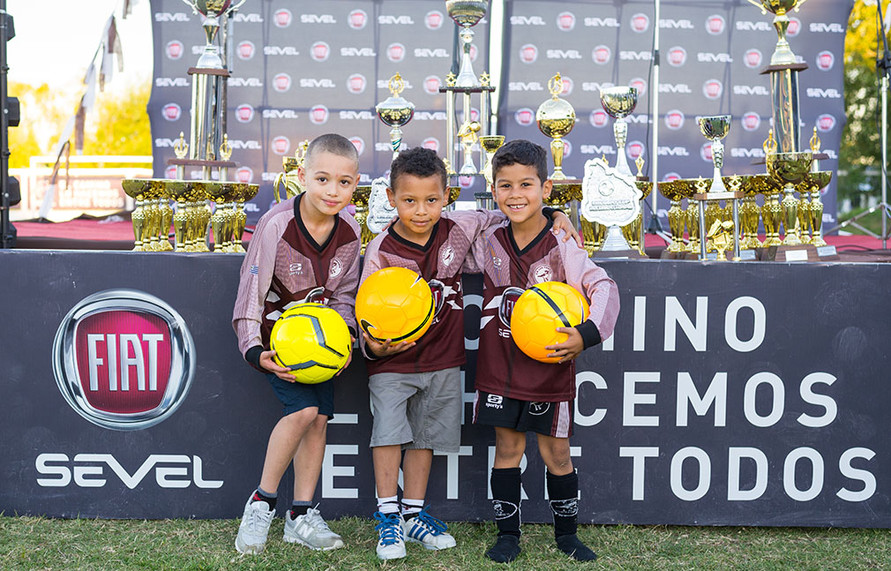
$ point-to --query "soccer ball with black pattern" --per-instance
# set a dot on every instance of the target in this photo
(395, 303)
(312, 340)
(539, 311)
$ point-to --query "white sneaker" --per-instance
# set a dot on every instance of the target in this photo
(428, 531)
(391, 544)
(311, 530)
(254, 527)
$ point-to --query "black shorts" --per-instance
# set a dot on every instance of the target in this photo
(298, 396)
(548, 418)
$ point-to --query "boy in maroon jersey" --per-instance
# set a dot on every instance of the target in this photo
(303, 249)
(416, 387)
(515, 393)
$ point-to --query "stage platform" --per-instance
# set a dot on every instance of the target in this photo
(115, 233)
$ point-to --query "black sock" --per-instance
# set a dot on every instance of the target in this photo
(505, 550)
(571, 545)
(299, 508)
(261, 496)
(563, 494)
(505, 484)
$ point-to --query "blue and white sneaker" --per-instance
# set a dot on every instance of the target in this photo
(391, 544)
(428, 531)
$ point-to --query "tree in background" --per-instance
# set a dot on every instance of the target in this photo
(860, 152)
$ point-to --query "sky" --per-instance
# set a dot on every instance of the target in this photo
(55, 40)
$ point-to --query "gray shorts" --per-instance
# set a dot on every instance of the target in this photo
(417, 410)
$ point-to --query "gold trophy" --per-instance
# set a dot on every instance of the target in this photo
(467, 14)
(782, 54)
(790, 169)
(490, 144)
(619, 102)
(289, 178)
(715, 128)
(677, 218)
(556, 118)
(469, 133)
(136, 188)
(395, 111)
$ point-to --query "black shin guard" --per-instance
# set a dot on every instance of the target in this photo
(563, 492)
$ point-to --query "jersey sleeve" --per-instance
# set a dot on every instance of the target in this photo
(602, 292)
(255, 279)
(343, 298)
(371, 264)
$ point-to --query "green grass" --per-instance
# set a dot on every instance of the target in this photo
(40, 543)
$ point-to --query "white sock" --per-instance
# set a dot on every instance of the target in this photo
(388, 505)
(411, 508)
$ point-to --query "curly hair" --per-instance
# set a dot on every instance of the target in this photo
(420, 162)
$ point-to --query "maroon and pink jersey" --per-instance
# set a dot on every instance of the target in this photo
(507, 271)
(439, 262)
(285, 266)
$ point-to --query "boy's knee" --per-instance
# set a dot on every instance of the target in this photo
(302, 417)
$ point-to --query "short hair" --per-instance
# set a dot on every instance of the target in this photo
(523, 152)
(420, 162)
(331, 143)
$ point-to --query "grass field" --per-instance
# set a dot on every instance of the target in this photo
(39, 543)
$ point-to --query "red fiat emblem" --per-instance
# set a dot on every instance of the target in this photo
(244, 113)
(123, 359)
(320, 51)
(674, 119)
(640, 84)
(753, 58)
(172, 111)
(318, 115)
(567, 86)
(826, 123)
(282, 18)
(524, 116)
(244, 174)
(640, 23)
(601, 55)
(246, 50)
(794, 27)
(715, 25)
(825, 60)
(175, 49)
(634, 149)
(677, 56)
(713, 89)
(356, 83)
(431, 143)
(432, 84)
(599, 118)
(751, 121)
(396, 52)
(566, 21)
(281, 82)
(706, 152)
(528, 53)
(358, 19)
(359, 143)
(433, 20)
(281, 145)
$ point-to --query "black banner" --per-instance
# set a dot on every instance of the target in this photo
(730, 394)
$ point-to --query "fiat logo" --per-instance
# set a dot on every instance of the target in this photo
(320, 51)
(433, 20)
(674, 119)
(281, 145)
(794, 27)
(566, 21)
(244, 174)
(123, 359)
(677, 56)
(356, 83)
(567, 86)
(714, 25)
(753, 58)
(751, 121)
(640, 23)
(318, 115)
(528, 53)
(281, 82)
(172, 111)
(599, 118)
(825, 123)
(825, 60)
(601, 55)
(712, 89)
(432, 84)
(634, 149)
(282, 18)
(431, 143)
(524, 116)
(244, 113)
(706, 152)
(396, 52)
(245, 50)
(359, 143)
(671, 177)
(358, 19)
(174, 49)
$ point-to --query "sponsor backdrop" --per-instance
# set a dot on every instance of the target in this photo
(748, 404)
(303, 68)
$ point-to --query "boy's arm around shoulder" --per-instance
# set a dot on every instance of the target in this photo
(370, 264)
(600, 290)
(343, 297)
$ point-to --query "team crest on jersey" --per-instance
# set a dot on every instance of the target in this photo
(542, 273)
(496, 261)
(506, 307)
(448, 255)
(438, 290)
(295, 268)
(335, 269)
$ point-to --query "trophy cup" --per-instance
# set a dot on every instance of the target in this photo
(556, 118)
(395, 112)
(490, 144)
(619, 102)
(289, 178)
(790, 169)
(782, 54)
(714, 129)
(136, 188)
(467, 14)
(469, 135)
(674, 191)
(610, 198)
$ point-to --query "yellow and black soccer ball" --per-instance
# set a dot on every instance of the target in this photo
(395, 303)
(312, 340)
(539, 311)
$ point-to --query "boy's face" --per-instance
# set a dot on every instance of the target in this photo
(329, 181)
(519, 192)
(419, 202)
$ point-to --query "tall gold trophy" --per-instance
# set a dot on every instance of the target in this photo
(395, 111)
(556, 118)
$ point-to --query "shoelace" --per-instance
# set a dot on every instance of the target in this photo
(389, 528)
(258, 517)
(315, 519)
(435, 526)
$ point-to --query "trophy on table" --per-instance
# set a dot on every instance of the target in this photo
(395, 112)
(619, 102)
(556, 118)
(289, 178)
(715, 128)
(790, 169)
(490, 144)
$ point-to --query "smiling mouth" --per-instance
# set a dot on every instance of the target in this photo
(516, 206)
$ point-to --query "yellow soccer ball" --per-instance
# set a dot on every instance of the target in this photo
(312, 340)
(394, 303)
(539, 311)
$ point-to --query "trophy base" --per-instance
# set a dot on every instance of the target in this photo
(630, 254)
(666, 255)
(802, 253)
